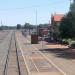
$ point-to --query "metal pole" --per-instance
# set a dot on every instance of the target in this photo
(42, 42)
(36, 16)
(36, 21)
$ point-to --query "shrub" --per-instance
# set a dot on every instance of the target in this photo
(72, 44)
(65, 41)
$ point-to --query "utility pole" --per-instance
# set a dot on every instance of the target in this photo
(36, 22)
(36, 16)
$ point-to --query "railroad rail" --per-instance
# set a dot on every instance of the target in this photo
(12, 61)
(24, 58)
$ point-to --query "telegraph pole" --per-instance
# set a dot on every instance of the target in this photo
(36, 22)
(36, 16)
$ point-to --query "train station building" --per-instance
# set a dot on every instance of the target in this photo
(55, 22)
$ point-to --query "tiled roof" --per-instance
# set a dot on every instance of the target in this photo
(57, 17)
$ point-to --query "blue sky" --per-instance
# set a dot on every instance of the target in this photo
(14, 12)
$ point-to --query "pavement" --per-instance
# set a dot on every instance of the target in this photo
(62, 56)
(36, 63)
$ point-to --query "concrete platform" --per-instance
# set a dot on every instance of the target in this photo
(35, 61)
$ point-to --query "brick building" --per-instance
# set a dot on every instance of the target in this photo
(55, 22)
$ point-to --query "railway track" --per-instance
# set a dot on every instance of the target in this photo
(36, 62)
(25, 59)
(4, 45)
(12, 62)
(3, 36)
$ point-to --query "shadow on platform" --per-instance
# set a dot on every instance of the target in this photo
(61, 53)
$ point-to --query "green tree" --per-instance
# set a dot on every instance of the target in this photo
(67, 25)
(72, 7)
(29, 26)
(26, 25)
(18, 26)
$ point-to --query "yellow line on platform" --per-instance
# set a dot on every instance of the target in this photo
(63, 73)
(50, 61)
(35, 65)
(23, 57)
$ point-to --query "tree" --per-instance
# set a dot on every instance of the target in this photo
(72, 7)
(18, 26)
(29, 26)
(67, 25)
(26, 26)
